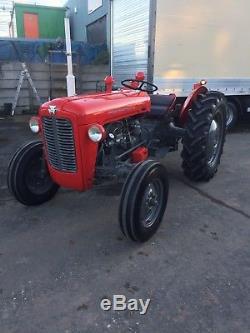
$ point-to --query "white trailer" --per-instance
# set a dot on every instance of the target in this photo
(179, 42)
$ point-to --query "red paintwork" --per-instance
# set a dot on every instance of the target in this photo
(109, 80)
(84, 111)
(197, 89)
(100, 109)
(139, 155)
(139, 76)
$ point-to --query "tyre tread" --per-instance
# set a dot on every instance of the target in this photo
(194, 143)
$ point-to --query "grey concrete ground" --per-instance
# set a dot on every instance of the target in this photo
(57, 261)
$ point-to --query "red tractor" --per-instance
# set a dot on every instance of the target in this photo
(89, 139)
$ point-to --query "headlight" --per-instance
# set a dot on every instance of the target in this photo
(34, 125)
(96, 133)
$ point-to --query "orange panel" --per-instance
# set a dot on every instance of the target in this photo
(31, 26)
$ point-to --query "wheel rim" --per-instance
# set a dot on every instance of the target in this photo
(229, 115)
(37, 178)
(214, 140)
(151, 203)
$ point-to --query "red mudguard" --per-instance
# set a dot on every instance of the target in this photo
(197, 90)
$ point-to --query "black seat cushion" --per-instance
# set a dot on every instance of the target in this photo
(160, 104)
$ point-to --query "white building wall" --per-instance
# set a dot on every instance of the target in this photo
(6, 7)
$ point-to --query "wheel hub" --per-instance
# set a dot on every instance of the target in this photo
(152, 198)
(229, 115)
(151, 203)
(213, 140)
(37, 179)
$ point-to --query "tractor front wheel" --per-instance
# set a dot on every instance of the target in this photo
(205, 136)
(143, 201)
(28, 177)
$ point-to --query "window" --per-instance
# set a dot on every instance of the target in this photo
(97, 31)
(93, 5)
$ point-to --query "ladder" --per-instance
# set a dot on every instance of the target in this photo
(24, 74)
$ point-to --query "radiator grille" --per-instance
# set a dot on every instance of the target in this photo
(59, 138)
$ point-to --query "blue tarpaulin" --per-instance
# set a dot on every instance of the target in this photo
(38, 51)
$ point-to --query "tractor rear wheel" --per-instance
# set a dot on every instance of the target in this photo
(28, 177)
(143, 201)
(205, 136)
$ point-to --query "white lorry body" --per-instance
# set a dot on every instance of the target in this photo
(179, 42)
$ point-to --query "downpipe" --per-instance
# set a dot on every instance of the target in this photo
(126, 153)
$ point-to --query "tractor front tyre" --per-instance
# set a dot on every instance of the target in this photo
(143, 201)
(205, 136)
(28, 177)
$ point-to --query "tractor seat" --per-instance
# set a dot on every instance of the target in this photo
(160, 104)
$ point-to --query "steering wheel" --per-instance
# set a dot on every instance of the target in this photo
(139, 85)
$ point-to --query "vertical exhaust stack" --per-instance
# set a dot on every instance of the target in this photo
(71, 85)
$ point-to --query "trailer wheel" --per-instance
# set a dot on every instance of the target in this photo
(205, 137)
(232, 114)
(28, 178)
(143, 201)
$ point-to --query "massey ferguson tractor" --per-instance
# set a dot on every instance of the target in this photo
(120, 135)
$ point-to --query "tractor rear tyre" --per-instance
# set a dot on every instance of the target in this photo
(205, 136)
(28, 177)
(143, 201)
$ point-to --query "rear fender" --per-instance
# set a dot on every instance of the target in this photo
(198, 89)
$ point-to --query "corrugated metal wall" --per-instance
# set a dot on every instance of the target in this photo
(130, 26)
